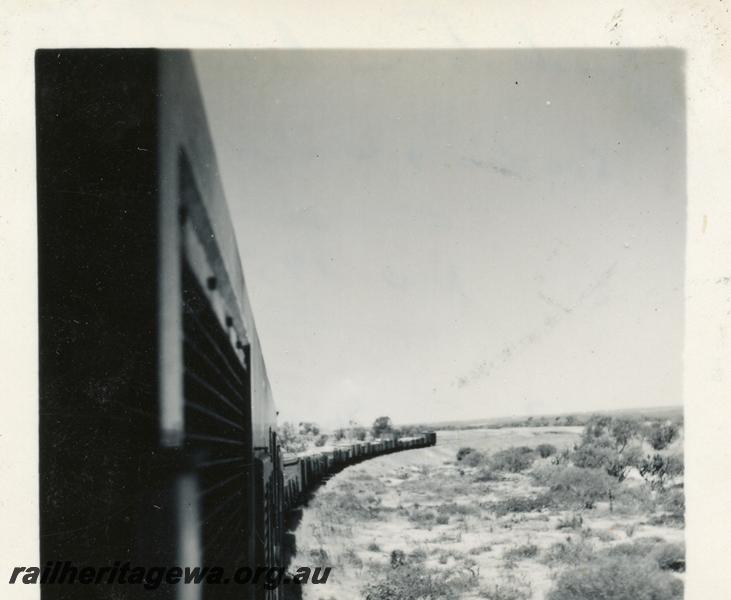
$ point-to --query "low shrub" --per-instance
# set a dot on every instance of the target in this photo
(638, 549)
(422, 517)
(487, 474)
(572, 521)
(398, 558)
(418, 556)
(454, 508)
(562, 457)
(415, 582)
(513, 460)
(601, 534)
(671, 506)
(673, 500)
(616, 578)
(320, 557)
(570, 552)
(480, 549)
(442, 519)
(634, 499)
(464, 451)
(474, 459)
(521, 552)
(579, 487)
(546, 450)
(373, 547)
(351, 557)
(510, 588)
(545, 473)
(521, 504)
(670, 556)
(667, 519)
(408, 584)
(348, 504)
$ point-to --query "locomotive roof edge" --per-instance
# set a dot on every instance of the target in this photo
(184, 128)
(116, 128)
(156, 419)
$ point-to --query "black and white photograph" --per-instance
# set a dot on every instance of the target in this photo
(463, 271)
(365, 323)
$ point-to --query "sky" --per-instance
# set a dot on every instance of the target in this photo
(449, 235)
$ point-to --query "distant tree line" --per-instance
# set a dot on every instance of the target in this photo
(567, 420)
(305, 435)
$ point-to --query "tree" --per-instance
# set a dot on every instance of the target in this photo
(290, 439)
(382, 425)
(659, 468)
(593, 453)
(661, 435)
(307, 428)
(409, 430)
(623, 431)
(596, 427)
(359, 433)
(620, 463)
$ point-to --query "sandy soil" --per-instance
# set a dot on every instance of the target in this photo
(363, 514)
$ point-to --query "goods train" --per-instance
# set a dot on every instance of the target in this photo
(157, 427)
(302, 472)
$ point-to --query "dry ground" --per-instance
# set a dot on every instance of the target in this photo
(433, 509)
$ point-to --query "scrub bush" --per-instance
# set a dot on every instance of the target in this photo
(616, 578)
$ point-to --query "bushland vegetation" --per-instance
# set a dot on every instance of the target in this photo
(596, 514)
(628, 465)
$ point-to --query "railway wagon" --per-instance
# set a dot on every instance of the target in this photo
(157, 426)
(293, 479)
(346, 452)
(303, 472)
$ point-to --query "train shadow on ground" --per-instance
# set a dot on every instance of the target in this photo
(293, 518)
(293, 515)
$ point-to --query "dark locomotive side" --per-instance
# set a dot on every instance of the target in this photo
(157, 427)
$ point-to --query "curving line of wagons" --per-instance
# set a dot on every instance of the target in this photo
(304, 471)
